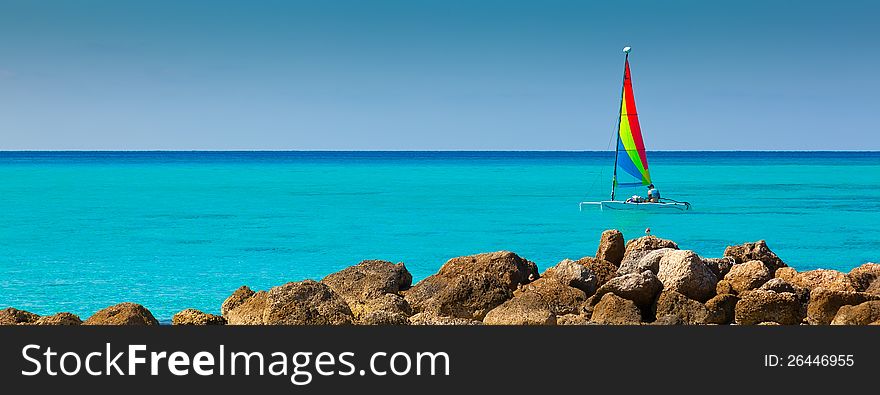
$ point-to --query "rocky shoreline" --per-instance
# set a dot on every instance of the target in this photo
(647, 280)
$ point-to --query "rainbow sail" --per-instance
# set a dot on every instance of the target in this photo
(632, 160)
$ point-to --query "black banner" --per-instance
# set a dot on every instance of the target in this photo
(433, 359)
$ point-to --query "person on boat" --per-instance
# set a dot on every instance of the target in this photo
(635, 199)
(653, 194)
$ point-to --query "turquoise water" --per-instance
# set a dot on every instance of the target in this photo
(81, 231)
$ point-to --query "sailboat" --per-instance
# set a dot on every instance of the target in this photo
(630, 157)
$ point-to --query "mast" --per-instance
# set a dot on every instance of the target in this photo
(619, 115)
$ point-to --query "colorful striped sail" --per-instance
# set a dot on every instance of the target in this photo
(632, 162)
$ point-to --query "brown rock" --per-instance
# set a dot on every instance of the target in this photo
(755, 251)
(643, 260)
(470, 286)
(573, 274)
(431, 318)
(786, 273)
(828, 279)
(196, 317)
(549, 293)
(721, 309)
(724, 287)
(305, 303)
(758, 306)
(249, 312)
(572, 319)
(611, 247)
(747, 276)
(602, 269)
(13, 316)
(388, 309)
(862, 314)
(684, 272)
(59, 319)
(865, 276)
(238, 297)
(778, 285)
(825, 303)
(648, 243)
(526, 309)
(614, 310)
(677, 308)
(641, 288)
(719, 266)
(122, 314)
(361, 284)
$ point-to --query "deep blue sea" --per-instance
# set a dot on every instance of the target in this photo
(83, 230)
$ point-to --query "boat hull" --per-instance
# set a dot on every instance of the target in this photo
(622, 205)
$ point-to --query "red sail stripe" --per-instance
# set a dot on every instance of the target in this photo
(633, 117)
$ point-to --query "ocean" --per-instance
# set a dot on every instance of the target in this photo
(172, 230)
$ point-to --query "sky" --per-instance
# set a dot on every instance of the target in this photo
(436, 74)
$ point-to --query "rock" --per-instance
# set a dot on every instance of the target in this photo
(369, 279)
(865, 276)
(786, 273)
(640, 288)
(388, 309)
(825, 303)
(828, 279)
(614, 310)
(196, 317)
(684, 272)
(59, 319)
(757, 306)
(755, 251)
(719, 266)
(573, 274)
(528, 309)
(646, 260)
(724, 287)
(470, 286)
(681, 309)
(430, 318)
(602, 269)
(611, 247)
(249, 312)
(13, 316)
(305, 303)
(122, 314)
(647, 243)
(721, 309)
(861, 314)
(874, 288)
(778, 285)
(572, 319)
(238, 297)
(549, 293)
(770, 323)
(747, 276)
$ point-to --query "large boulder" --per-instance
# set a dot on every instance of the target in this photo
(305, 303)
(778, 285)
(602, 269)
(249, 312)
(675, 308)
(865, 277)
(861, 314)
(643, 260)
(786, 273)
(527, 309)
(238, 297)
(611, 247)
(13, 316)
(747, 276)
(122, 314)
(755, 251)
(59, 319)
(549, 293)
(683, 271)
(755, 307)
(196, 317)
(573, 274)
(388, 309)
(431, 318)
(470, 286)
(647, 243)
(719, 266)
(614, 310)
(829, 279)
(721, 308)
(825, 303)
(641, 288)
(360, 284)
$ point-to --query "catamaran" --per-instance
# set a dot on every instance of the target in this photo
(630, 158)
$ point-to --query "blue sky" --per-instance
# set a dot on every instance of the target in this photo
(436, 75)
